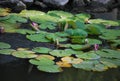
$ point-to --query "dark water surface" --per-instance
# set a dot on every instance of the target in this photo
(18, 71)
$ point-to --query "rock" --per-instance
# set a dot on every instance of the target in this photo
(56, 2)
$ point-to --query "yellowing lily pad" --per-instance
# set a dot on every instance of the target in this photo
(45, 56)
(63, 64)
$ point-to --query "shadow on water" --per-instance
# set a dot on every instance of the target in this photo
(18, 71)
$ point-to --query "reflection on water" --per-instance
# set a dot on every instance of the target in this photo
(20, 73)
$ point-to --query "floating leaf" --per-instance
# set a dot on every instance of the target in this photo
(61, 53)
(4, 45)
(46, 65)
(89, 55)
(37, 16)
(38, 37)
(4, 11)
(94, 41)
(105, 22)
(83, 16)
(42, 61)
(48, 25)
(95, 29)
(77, 32)
(45, 56)
(63, 64)
(53, 37)
(108, 36)
(100, 67)
(13, 18)
(24, 54)
(86, 65)
(107, 63)
(9, 27)
(25, 31)
(108, 53)
(80, 47)
(61, 14)
(6, 51)
(50, 68)
(41, 50)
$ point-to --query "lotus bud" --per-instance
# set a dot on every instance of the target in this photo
(96, 46)
(35, 26)
(2, 30)
(86, 41)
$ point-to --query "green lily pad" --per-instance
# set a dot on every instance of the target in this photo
(6, 51)
(86, 65)
(108, 53)
(42, 50)
(38, 37)
(48, 25)
(89, 55)
(114, 62)
(105, 22)
(108, 63)
(24, 54)
(25, 31)
(77, 32)
(37, 16)
(95, 29)
(50, 69)
(53, 37)
(80, 47)
(94, 41)
(61, 14)
(108, 36)
(42, 61)
(9, 27)
(4, 45)
(83, 16)
(89, 65)
(13, 18)
(61, 53)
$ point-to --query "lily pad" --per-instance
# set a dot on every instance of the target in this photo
(24, 54)
(48, 25)
(105, 22)
(77, 32)
(89, 55)
(108, 53)
(25, 31)
(38, 37)
(62, 14)
(4, 11)
(61, 53)
(42, 61)
(41, 50)
(83, 16)
(6, 51)
(50, 68)
(4, 45)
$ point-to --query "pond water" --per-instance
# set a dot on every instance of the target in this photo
(14, 69)
(18, 71)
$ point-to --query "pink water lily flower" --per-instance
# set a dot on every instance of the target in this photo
(35, 26)
(96, 46)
